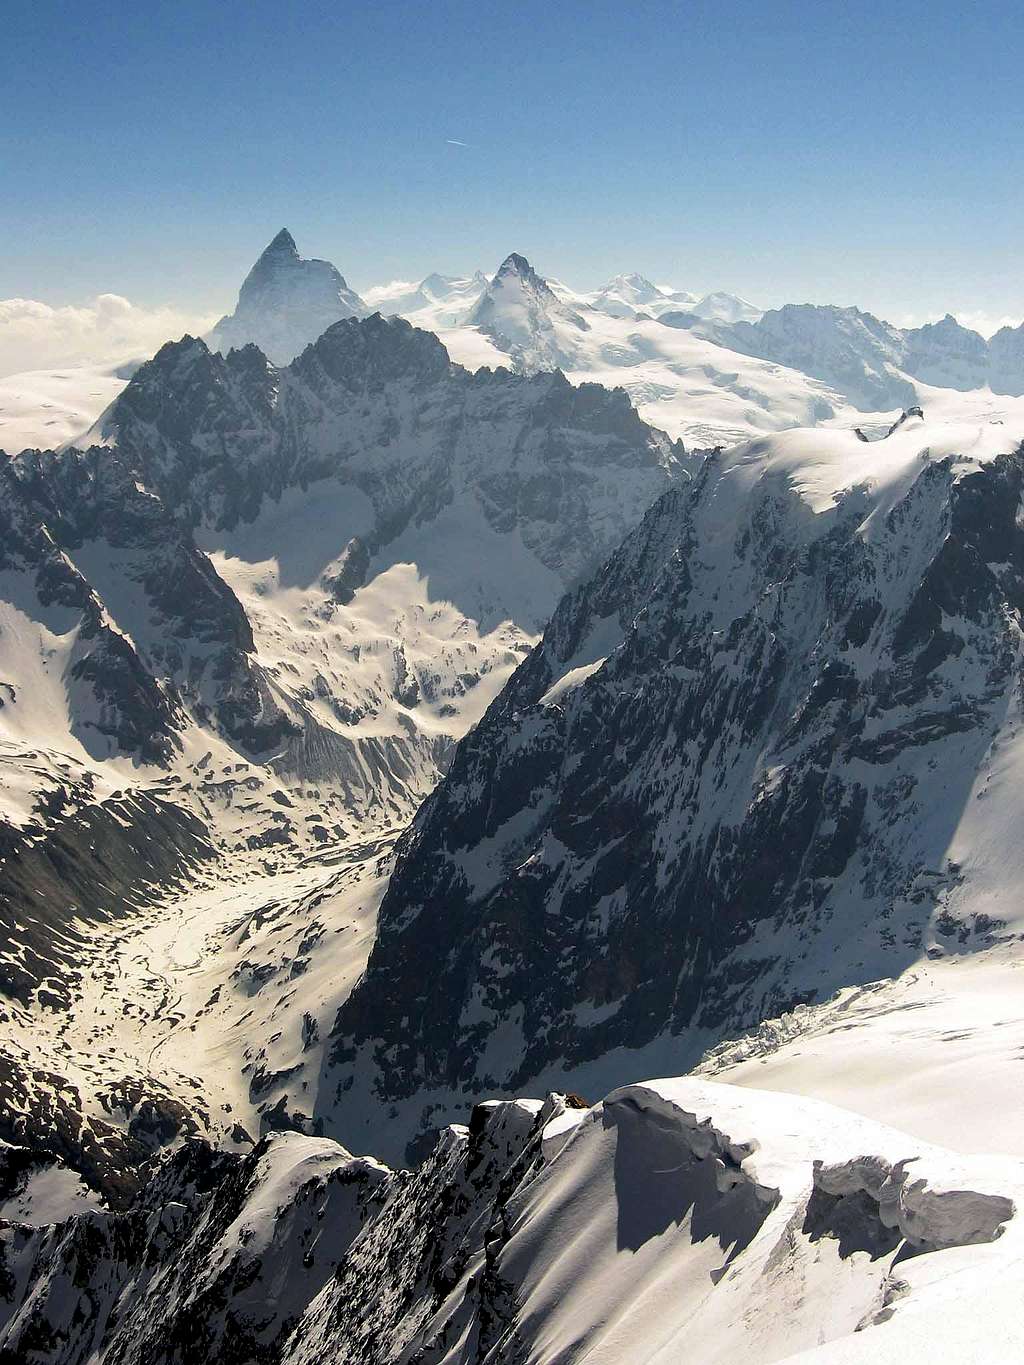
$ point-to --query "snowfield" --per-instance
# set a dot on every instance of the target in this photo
(934, 1051)
(45, 409)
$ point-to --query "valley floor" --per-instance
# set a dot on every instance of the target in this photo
(223, 995)
(206, 998)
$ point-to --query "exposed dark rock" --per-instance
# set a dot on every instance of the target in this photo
(698, 832)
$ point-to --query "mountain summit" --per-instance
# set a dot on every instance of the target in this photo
(283, 245)
(623, 296)
(286, 302)
(520, 312)
(519, 267)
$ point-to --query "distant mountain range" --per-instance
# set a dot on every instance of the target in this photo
(709, 369)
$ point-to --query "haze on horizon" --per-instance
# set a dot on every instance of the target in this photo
(804, 153)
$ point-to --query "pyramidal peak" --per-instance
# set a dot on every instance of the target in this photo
(518, 266)
(285, 303)
(524, 316)
(282, 248)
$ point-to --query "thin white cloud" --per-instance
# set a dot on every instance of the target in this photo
(384, 293)
(454, 142)
(37, 336)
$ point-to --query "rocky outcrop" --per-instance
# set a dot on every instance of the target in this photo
(377, 403)
(158, 630)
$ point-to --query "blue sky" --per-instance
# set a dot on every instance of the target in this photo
(785, 150)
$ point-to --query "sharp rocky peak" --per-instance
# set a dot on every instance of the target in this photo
(519, 310)
(283, 246)
(286, 302)
(519, 266)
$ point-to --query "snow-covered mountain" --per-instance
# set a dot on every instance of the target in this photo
(852, 351)
(678, 1218)
(436, 302)
(520, 312)
(626, 295)
(947, 355)
(243, 629)
(875, 364)
(710, 370)
(285, 302)
(1006, 361)
(633, 296)
(678, 379)
(765, 753)
(720, 307)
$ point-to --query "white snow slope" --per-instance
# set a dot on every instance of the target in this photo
(679, 1219)
(683, 1219)
(45, 409)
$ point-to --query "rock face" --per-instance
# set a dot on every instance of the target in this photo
(285, 303)
(103, 545)
(378, 403)
(154, 619)
(708, 794)
(762, 1225)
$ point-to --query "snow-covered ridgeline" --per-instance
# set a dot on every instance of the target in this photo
(676, 1215)
(710, 370)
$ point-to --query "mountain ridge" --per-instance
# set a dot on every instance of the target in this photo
(694, 803)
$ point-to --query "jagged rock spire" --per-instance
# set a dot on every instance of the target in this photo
(282, 245)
